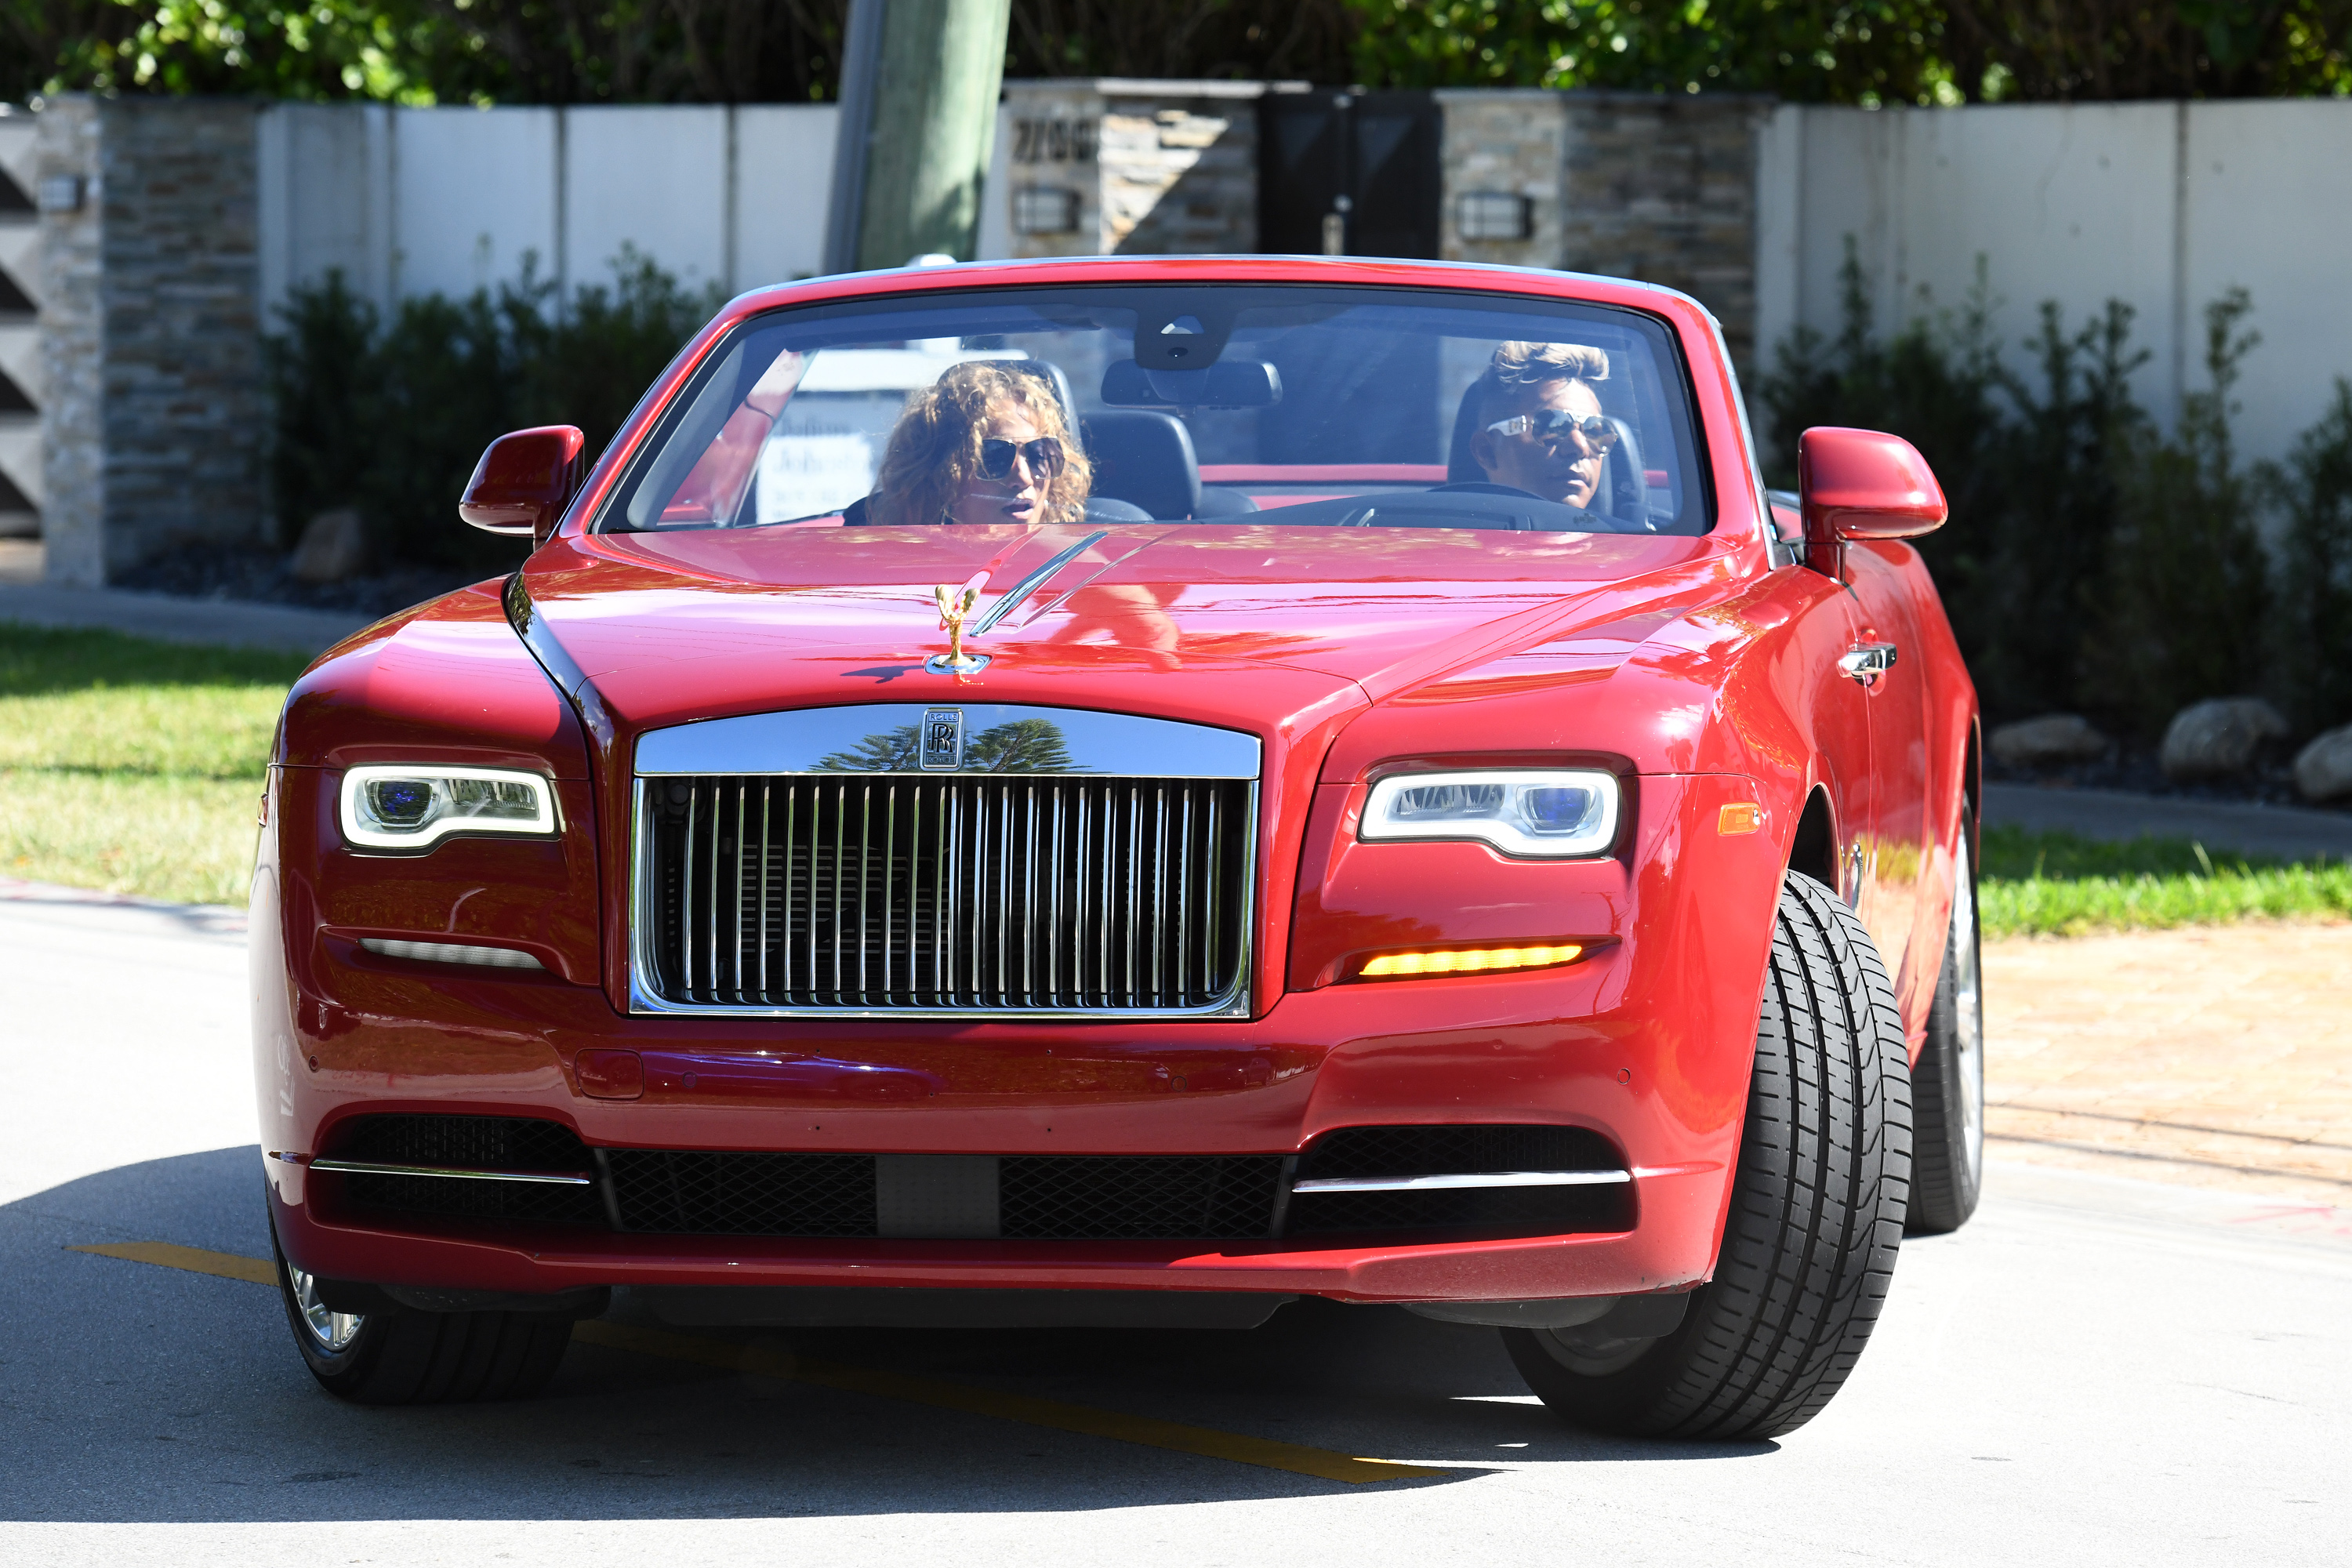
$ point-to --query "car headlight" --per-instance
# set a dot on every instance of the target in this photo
(1543, 813)
(415, 807)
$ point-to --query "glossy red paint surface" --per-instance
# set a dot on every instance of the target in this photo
(1702, 671)
(1866, 484)
(524, 480)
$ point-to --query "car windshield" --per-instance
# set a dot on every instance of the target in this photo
(1269, 406)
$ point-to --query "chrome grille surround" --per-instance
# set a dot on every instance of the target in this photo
(823, 864)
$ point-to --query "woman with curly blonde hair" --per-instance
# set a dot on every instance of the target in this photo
(987, 443)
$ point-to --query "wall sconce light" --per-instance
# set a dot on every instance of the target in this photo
(1044, 209)
(1493, 214)
(62, 193)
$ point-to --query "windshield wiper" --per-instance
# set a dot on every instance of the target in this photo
(1034, 581)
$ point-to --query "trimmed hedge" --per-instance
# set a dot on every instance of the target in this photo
(2095, 562)
(390, 418)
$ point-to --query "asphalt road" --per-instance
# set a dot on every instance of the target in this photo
(2295, 832)
(2093, 1371)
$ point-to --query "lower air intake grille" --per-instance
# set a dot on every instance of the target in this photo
(486, 1143)
(1202, 1197)
(1461, 1212)
(1446, 1151)
(469, 1142)
(743, 1194)
(1066, 1198)
(526, 1203)
(876, 892)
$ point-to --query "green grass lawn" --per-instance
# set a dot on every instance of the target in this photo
(2059, 884)
(136, 766)
(132, 765)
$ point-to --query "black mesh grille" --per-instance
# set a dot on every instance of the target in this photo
(526, 1202)
(1041, 1197)
(1462, 1213)
(1442, 1151)
(1173, 1197)
(481, 1142)
(743, 1194)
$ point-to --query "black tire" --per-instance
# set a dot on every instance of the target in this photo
(1948, 1163)
(403, 1357)
(1816, 1213)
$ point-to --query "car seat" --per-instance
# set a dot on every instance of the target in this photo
(1145, 459)
(1623, 492)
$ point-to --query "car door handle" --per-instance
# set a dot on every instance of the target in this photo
(1867, 661)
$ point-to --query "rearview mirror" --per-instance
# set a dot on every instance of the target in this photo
(1861, 484)
(524, 482)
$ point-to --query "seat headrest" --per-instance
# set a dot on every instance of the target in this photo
(1144, 458)
(1461, 469)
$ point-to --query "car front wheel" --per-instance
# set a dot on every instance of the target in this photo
(397, 1356)
(1816, 1217)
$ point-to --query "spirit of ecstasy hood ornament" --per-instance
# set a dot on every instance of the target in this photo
(955, 603)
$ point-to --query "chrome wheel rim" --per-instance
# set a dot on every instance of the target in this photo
(329, 1330)
(1968, 1014)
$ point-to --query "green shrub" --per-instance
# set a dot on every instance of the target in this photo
(391, 418)
(2314, 491)
(1938, 382)
(2051, 516)
(2092, 562)
(2183, 605)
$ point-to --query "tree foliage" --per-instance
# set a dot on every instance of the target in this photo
(743, 51)
(429, 51)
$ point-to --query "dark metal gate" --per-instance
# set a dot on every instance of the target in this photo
(1342, 171)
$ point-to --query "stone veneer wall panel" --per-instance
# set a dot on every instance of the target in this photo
(1514, 141)
(153, 426)
(1663, 189)
(1054, 130)
(185, 402)
(73, 513)
(1157, 167)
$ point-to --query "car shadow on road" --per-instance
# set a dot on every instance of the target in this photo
(140, 1393)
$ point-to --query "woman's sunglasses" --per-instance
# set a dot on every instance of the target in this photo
(1043, 455)
(1556, 424)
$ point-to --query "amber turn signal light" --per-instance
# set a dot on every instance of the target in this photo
(1733, 820)
(1469, 961)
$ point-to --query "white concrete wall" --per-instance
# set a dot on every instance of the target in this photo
(415, 201)
(783, 173)
(2160, 205)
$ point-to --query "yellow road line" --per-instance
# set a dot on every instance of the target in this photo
(1325, 1464)
(195, 1259)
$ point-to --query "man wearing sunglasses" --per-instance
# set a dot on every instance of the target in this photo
(1538, 421)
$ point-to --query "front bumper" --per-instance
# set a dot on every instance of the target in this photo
(1648, 1042)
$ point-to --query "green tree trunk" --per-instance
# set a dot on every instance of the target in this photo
(933, 124)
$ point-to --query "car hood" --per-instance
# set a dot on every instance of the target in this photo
(1248, 626)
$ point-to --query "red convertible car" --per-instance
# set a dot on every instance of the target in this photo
(1127, 791)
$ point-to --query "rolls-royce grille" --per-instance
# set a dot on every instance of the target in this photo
(1033, 893)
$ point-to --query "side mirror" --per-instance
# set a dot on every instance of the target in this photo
(1863, 484)
(524, 482)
